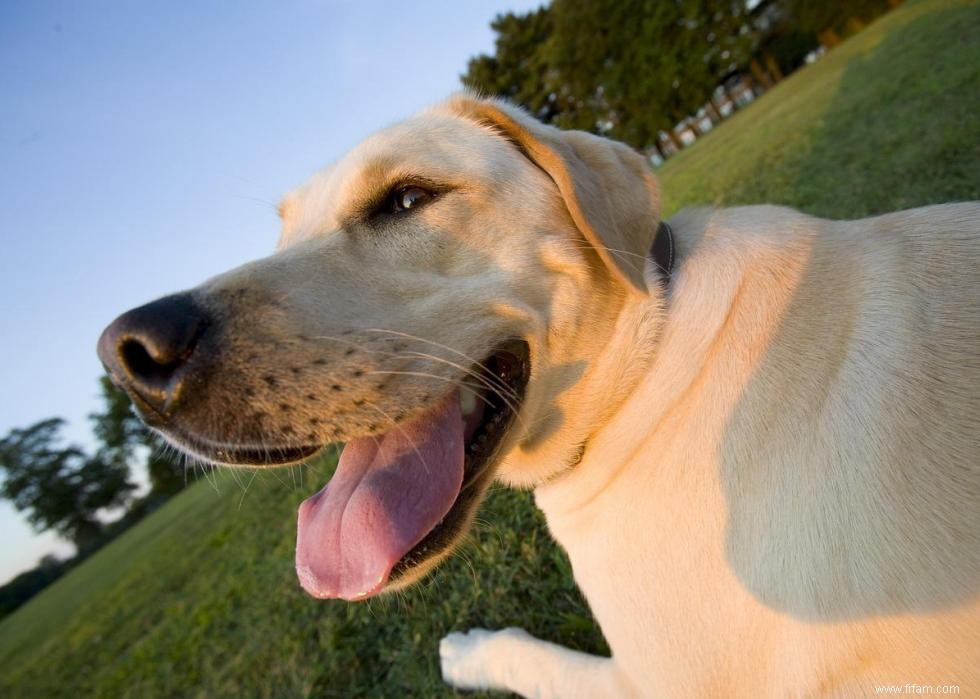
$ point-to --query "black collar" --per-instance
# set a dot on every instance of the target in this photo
(662, 249)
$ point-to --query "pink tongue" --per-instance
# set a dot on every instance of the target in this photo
(388, 492)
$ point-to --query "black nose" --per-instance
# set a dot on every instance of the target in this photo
(148, 349)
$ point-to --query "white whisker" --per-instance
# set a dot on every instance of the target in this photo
(516, 413)
(247, 486)
(496, 384)
(433, 343)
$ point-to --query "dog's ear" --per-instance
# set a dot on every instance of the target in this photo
(608, 187)
(288, 211)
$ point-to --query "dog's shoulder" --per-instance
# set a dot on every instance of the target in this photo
(925, 240)
(744, 235)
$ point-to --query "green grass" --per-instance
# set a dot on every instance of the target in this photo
(200, 599)
(888, 120)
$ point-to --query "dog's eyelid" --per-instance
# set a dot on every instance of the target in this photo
(408, 198)
(383, 205)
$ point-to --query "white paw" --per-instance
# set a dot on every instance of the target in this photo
(460, 657)
(473, 660)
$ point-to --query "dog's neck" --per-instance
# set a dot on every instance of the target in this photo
(719, 307)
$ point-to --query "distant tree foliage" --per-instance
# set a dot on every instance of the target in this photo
(835, 15)
(628, 68)
(789, 47)
(519, 69)
(633, 69)
(118, 429)
(60, 488)
(24, 586)
(64, 489)
(122, 434)
(648, 63)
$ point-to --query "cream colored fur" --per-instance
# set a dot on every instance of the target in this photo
(787, 503)
(765, 472)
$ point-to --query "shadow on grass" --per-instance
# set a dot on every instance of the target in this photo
(897, 136)
(887, 120)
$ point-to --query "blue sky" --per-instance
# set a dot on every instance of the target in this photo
(144, 147)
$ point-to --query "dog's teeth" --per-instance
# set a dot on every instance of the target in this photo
(467, 402)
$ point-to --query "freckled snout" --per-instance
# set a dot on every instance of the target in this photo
(150, 350)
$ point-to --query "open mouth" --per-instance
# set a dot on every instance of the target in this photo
(504, 377)
(398, 502)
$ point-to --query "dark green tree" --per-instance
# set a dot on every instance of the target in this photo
(117, 428)
(817, 17)
(123, 437)
(628, 68)
(518, 69)
(60, 488)
(599, 50)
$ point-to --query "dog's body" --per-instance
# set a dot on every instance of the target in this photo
(787, 504)
(764, 467)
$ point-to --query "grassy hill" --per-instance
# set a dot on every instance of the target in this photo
(200, 599)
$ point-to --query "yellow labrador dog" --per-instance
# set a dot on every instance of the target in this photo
(756, 433)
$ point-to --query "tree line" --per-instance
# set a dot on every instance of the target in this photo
(66, 489)
(633, 69)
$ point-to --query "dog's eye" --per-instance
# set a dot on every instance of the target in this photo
(405, 198)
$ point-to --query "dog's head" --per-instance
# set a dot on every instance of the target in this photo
(438, 301)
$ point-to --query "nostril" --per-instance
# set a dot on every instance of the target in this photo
(150, 350)
(141, 365)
